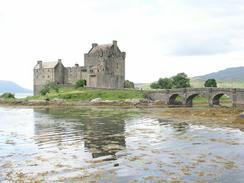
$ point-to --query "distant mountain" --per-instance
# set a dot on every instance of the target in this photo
(229, 74)
(9, 86)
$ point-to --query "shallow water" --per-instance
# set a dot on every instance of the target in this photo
(115, 145)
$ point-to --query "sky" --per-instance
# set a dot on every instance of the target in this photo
(160, 37)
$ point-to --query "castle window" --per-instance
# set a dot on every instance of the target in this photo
(48, 76)
(117, 65)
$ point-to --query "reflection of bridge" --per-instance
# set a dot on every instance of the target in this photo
(188, 94)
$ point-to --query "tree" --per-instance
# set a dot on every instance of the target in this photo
(165, 83)
(128, 84)
(155, 85)
(181, 81)
(80, 83)
(210, 83)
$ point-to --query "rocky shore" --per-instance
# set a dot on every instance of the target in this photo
(93, 102)
(232, 116)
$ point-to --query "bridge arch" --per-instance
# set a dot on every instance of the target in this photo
(215, 100)
(189, 99)
(173, 99)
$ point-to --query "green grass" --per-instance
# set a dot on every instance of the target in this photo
(86, 94)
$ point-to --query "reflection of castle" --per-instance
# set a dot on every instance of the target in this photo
(102, 136)
(104, 68)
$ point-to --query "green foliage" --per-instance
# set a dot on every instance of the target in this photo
(155, 85)
(181, 80)
(45, 89)
(210, 83)
(53, 86)
(128, 84)
(80, 83)
(48, 87)
(7, 95)
(165, 83)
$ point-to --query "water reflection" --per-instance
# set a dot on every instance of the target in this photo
(114, 145)
(101, 135)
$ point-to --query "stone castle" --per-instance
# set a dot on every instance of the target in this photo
(104, 68)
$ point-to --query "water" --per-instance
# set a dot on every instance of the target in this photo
(115, 145)
(23, 95)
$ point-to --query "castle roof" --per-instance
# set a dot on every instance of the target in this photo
(47, 65)
(103, 47)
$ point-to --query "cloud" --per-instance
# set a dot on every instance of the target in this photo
(158, 35)
(202, 27)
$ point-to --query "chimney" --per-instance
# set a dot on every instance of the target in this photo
(94, 45)
(115, 43)
(76, 65)
(39, 62)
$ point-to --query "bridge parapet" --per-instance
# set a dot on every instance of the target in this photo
(213, 94)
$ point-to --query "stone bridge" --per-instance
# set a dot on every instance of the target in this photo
(168, 97)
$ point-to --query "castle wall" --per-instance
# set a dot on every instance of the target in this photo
(104, 68)
(73, 74)
(41, 77)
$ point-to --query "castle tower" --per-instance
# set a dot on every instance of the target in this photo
(105, 65)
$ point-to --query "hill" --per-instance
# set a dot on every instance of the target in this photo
(9, 86)
(229, 74)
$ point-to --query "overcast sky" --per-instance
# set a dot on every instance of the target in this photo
(160, 37)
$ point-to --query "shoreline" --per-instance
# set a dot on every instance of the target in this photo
(229, 117)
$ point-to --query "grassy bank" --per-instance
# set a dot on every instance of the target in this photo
(86, 94)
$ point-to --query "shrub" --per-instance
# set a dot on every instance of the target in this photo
(155, 85)
(53, 86)
(44, 90)
(80, 83)
(129, 84)
(210, 83)
(7, 95)
(49, 86)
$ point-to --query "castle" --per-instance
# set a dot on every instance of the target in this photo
(104, 68)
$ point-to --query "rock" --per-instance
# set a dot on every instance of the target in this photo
(158, 102)
(239, 119)
(96, 100)
(132, 101)
(57, 101)
(37, 102)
